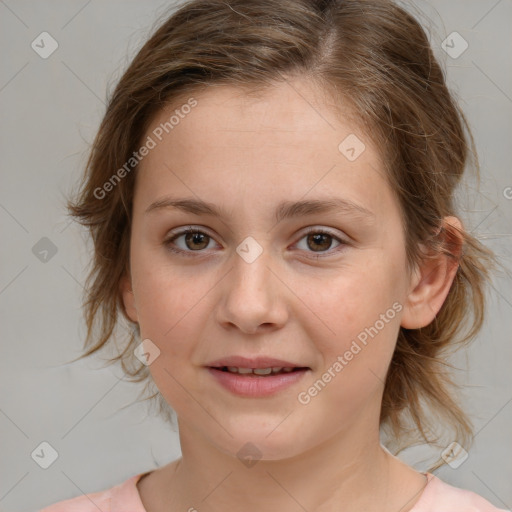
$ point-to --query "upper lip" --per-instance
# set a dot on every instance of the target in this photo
(253, 362)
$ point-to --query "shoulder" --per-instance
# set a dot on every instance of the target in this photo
(439, 496)
(115, 499)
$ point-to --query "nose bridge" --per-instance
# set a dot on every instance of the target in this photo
(251, 295)
(251, 275)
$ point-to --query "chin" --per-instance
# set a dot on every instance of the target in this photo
(266, 444)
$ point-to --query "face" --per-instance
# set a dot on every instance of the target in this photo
(319, 288)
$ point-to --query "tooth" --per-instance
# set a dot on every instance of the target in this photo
(288, 369)
(277, 369)
(244, 370)
(233, 369)
(262, 371)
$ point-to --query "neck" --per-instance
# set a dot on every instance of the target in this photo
(346, 470)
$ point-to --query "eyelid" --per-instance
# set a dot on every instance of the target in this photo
(182, 230)
(327, 231)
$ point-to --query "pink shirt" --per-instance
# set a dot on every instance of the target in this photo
(437, 496)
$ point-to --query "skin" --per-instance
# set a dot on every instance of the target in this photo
(248, 154)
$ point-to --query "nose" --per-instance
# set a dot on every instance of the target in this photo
(253, 297)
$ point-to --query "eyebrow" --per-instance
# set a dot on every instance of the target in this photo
(285, 210)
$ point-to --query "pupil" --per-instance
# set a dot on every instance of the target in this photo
(318, 238)
(193, 237)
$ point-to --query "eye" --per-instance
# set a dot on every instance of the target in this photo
(317, 240)
(194, 241)
(320, 241)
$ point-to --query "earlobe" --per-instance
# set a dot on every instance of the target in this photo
(433, 280)
(128, 298)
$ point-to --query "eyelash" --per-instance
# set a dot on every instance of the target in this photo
(190, 229)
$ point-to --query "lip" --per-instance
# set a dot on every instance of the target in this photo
(256, 385)
(254, 362)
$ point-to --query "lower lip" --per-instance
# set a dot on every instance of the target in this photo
(255, 385)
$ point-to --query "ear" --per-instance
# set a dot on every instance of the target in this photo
(128, 299)
(431, 282)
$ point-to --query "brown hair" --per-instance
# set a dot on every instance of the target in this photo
(377, 57)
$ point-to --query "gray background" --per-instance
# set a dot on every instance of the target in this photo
(50, 110)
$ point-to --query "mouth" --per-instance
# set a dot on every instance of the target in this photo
(257, 382)
(259, 372)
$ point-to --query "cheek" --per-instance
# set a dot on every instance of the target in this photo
(167, 301)
(360, 319)
(354, 361)
(169, 305)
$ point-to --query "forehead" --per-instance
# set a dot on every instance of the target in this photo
(293, 110)
(285, 140)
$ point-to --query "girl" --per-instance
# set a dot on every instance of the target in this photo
(270, 196)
